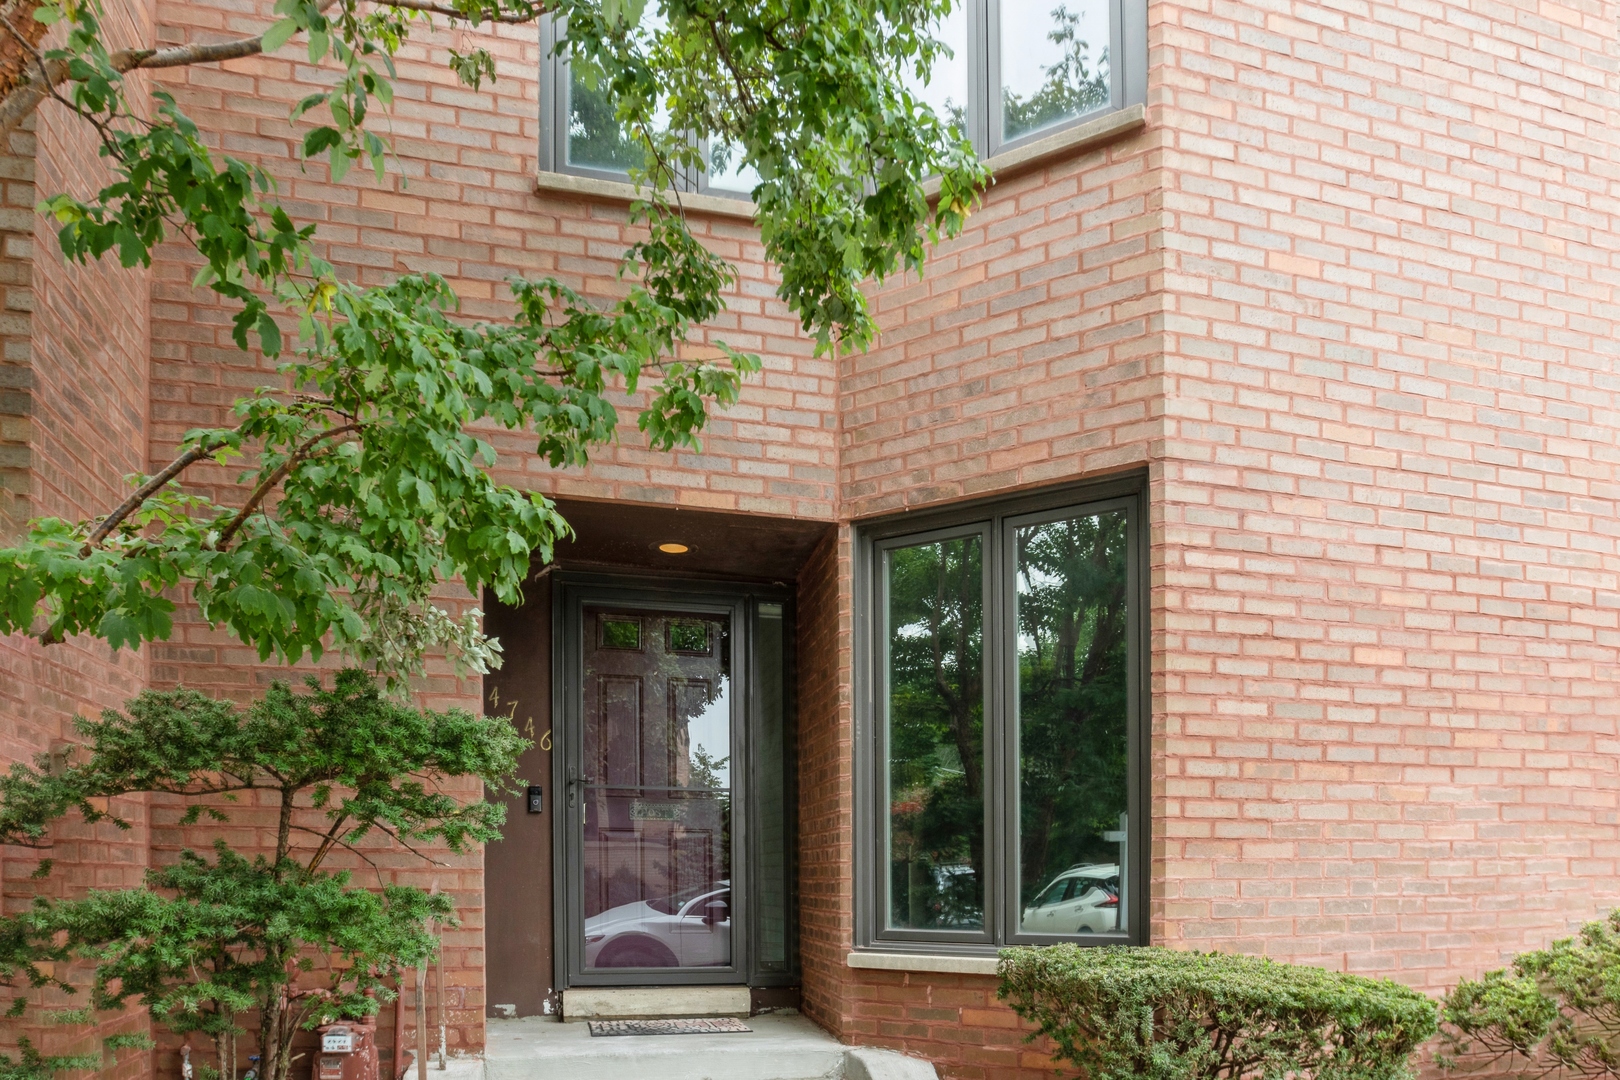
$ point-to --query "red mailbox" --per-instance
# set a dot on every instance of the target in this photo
(347, 1051)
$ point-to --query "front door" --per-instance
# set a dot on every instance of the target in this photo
(653, 794)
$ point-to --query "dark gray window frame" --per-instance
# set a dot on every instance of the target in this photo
(571, 593)
(994, 519)
(1128, 59)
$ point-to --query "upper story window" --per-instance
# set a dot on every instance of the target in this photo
(1026, 69)
(581, 134)
(1001, 730)
(1021, 70)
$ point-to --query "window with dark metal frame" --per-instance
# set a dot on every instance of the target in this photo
(1021, 70)
(1002, 724)
(579, 133)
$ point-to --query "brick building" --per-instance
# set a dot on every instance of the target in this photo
(1218, 548)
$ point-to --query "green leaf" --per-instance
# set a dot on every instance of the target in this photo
(279, 34)
(269, 336)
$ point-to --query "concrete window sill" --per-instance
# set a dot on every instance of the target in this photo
(1087, 136)
(937, 963)
(549, 183)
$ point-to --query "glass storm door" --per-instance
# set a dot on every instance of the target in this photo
(651, 794)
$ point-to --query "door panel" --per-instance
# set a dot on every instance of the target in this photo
(617, 731)
(654, 794)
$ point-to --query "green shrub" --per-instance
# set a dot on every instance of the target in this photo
(1558, 1008)
(1123, 1013)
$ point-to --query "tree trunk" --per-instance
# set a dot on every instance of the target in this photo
(15, 57)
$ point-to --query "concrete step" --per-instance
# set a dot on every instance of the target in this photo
(778, 1048)
(627, 1003)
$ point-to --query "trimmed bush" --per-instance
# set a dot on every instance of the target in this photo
(1123, 1013)
(1558, 1008)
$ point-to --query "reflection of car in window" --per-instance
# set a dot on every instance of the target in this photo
(689, 929)
(1081, 900)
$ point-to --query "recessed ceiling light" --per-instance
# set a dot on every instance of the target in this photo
(673, 549)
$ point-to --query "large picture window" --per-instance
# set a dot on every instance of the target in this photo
(1020, 70)
(1003, 732)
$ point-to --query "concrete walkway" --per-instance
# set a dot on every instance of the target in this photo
(778, 1048)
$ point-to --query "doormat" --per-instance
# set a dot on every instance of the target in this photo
(724, 1025)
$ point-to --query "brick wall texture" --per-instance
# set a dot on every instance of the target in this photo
(1349, 299)
(73, 418)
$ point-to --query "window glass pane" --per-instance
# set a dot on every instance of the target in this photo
(596, 139)
(1054, 62)
(727, 171)
(935, 679)
(771, 800)
(656, 829)
(946, 91)
(1073, 745)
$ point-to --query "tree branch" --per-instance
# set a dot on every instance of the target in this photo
(330, 837)
(22, 101)
(398, 837)
(451, 13)
(146, 490)
(262, 491)
(329, 842)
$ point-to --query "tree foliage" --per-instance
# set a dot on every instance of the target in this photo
(1122, 1013)
(218, 937)
(365, 482)
(1555, 1012)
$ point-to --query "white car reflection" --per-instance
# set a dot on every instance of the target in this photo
(689, 929)
(1081, 900)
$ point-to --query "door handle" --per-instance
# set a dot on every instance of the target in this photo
(575, 782)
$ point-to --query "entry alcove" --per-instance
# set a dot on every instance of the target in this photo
(658, 689)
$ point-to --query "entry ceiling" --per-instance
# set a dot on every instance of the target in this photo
(733, 546)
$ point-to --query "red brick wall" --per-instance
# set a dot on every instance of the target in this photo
(461, 202)
(826, 787)
(1027, 354)
(73, 415)
(953, 1020)
(1388, 597)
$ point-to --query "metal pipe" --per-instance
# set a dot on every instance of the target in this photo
(421, 1021)
(443, 1027)
(399, 1030)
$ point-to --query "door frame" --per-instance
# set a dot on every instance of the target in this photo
(571, 594)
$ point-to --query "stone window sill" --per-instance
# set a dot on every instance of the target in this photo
(1087, 136)
(927, 962)
(547, 183)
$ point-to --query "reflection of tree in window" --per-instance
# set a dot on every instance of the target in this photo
(708, 771)
(596, 139)
(1073, 85)
(1073, 745)
(954, 116)
(936, 735)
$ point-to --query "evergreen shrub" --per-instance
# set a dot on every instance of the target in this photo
(1557, 1010)
(1124, 1013)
